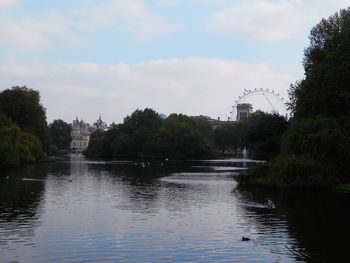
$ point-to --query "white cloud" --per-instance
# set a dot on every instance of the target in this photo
(6, 3)
(191, 85)
(40, 31)
(131, 16)
(35, 34)
(273, 20)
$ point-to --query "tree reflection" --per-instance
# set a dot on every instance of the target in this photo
(21, 192)
(318, 221)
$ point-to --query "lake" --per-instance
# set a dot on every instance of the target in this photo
(81, 210)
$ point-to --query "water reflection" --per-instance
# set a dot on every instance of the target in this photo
(21, 204)
(317, 222)
(92, 210)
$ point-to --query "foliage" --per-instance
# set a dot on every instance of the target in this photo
(60, 133)
(260, 133)
(144, 134)
(23, 128)
(228, 136)
(321, 101)
(315, 150)
(18, 147)
(344, 187)
(323, 139)
(22, 106)
(290, 171)
(325, 89)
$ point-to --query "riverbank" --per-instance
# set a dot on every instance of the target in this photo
(289, 173)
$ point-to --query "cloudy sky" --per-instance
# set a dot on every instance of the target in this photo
(109, 57)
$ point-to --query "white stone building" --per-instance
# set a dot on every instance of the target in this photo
(80, 135)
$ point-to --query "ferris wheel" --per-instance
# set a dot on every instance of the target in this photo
(266, 100)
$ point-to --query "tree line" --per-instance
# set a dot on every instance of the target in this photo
(144, 134)
(26, 137)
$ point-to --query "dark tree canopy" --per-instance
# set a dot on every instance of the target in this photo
(23, 107)
(60, 132)
(326, 87)
(321, 101)
(145, 135)
(260, 133)
(23, 128)
(315, 150)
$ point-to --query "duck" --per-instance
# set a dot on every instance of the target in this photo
(245, 239)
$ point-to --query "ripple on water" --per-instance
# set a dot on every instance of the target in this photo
(111, 211)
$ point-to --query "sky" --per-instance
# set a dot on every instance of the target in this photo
(110, 57)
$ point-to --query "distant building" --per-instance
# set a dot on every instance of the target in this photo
(215, 123)
(243, 111)
(99, 125)
(80, 135)
(81, 132)
(219, 123)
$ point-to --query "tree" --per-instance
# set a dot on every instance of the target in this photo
(261, 133)
(23, 107)
(228, 136)
(18, 147)
(325, 89)
(315, 150)
(60, 132)
(145, 135)
(321, 101)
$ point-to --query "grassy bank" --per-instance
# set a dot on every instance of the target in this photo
(289, 172)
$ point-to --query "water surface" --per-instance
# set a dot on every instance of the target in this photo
(79, 210)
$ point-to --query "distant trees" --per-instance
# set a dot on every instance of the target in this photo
(261, 133)
(144, 134)
(24, 133)
(60, 133)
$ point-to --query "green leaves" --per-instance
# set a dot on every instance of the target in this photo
(319, 136)
(22, 106)
(23, 127)
(60, 132)
(18, 147)
(145, 135)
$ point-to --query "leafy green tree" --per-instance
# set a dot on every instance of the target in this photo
(17, 147)
(5, 121)
(9, 146)
(60, 132)
(30, 148)
(228, 136)
(325, 88)
(321, 101)
(145, 135)
(261, 133)
(95, 147)
(315, 149)
(23, 107)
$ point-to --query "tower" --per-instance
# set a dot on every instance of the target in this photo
(243, 111)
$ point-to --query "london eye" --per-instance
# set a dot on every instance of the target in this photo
(266, 100)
